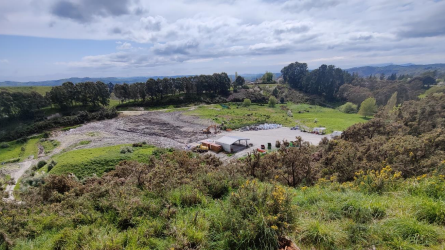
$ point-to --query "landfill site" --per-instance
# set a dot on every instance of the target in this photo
(176, 130)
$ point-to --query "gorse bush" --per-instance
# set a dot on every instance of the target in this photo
(377, 181)
(258, 216)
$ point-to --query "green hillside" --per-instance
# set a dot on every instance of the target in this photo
(39, 89)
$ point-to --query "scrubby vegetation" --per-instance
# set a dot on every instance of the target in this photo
(380, 186)
(39, 127)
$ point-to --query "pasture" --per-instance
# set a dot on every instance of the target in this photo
(86, 162)
(237, 116)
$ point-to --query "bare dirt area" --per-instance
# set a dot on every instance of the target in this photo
(162, 129)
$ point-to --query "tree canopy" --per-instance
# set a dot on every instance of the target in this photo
(368, 107)
(324, 81)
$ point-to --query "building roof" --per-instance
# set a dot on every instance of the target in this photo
(230, 139)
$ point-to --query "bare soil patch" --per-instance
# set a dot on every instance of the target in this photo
(162, 129)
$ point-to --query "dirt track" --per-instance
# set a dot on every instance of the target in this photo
(163, 129)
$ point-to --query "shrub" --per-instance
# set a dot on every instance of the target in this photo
(247, 102)
(41, 164)
(46, 135)
(348, 108)
(51, 165)
(272, 101)
(126, 149)
(377, 181)
(263, 214)
(4, 145)
(281, 100)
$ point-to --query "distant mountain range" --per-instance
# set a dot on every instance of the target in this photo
(387, 69)
(114, 80)
(403, 69)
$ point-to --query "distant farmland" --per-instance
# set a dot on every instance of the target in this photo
(39, 89)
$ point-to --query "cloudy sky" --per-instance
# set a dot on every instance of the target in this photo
(51, 39)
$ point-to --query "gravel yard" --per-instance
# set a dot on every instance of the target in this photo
(162, 129)
(262, 137)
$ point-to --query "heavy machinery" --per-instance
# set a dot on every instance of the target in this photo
(208, 130)
(201, 149)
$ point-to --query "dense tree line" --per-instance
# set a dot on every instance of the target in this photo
(64, 121)
(84, 93)
(324, 81)
(157, 89)
(362, 88)
(20, 104)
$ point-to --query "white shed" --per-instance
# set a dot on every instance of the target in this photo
(227, 141)
(336, 134)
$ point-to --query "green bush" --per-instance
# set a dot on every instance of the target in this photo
(4, 145)
(40, 164)
(126, 149)
(256, 217)
(247, 102)
(348, 108)
(51, 165)
(272, 101)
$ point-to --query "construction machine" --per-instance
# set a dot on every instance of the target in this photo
(208, 130)
(201, 149)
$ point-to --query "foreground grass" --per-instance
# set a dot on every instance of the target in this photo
(303, 114)
(86, 162)
(328, 215)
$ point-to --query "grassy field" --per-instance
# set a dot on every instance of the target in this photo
(39, 89)
(304, 114)
(19, 151)
(86, 162)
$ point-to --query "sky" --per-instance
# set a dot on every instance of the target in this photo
(53, 39)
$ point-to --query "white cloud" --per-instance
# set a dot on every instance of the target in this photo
(179, 33)
(5, 61)
(124, 46)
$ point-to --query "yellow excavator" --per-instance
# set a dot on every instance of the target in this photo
(208, 131)
(201, 149)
